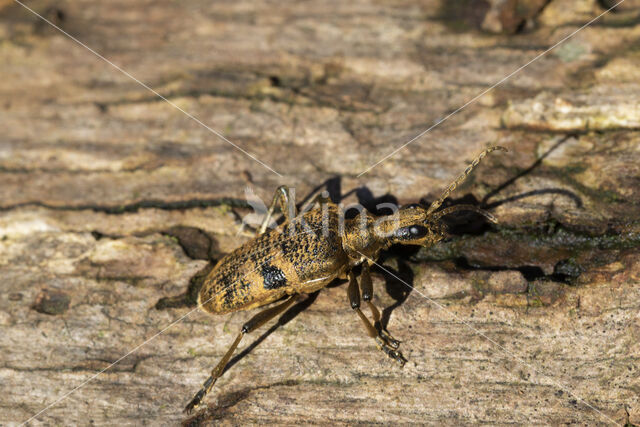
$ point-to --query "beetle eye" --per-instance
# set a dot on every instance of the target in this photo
(412, 232)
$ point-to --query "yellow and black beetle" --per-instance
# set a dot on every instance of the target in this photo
(307, 252)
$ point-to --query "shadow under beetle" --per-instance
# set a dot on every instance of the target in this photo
(307, 252)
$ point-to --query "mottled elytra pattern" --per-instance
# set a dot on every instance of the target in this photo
(292, 254)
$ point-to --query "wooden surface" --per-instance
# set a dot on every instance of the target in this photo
(111, 199)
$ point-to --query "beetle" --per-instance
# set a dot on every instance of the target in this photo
(307, 252)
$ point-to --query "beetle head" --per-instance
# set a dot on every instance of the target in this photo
(413, 225)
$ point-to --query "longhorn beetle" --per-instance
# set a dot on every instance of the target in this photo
(290, 260)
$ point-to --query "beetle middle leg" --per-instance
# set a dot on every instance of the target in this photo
(254, 323)
(320, 198)
(388, 346)
(285, 199)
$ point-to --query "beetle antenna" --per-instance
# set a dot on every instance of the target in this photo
(456, 208)
(459, 180)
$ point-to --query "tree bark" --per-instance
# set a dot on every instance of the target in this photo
(113, 200)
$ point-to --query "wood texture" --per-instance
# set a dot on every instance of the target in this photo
(111, 199)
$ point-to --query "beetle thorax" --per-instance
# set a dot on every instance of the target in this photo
(359, 239)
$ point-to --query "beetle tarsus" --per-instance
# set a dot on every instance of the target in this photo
(391, 352)
(195, 402)
(389, 340)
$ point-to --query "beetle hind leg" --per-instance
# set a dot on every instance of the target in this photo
(254, 323)
(389, 347)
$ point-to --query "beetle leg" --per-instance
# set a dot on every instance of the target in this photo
(366, 285)
(354, 298)
(254, 323)
(320, 198)
(282, 197)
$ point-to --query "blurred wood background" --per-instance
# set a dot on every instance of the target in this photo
(111, 199)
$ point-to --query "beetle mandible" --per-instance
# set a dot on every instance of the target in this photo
(294, 259)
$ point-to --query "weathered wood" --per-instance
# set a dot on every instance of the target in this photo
(110, 199)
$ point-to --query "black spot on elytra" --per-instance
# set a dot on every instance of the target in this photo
(273, 277)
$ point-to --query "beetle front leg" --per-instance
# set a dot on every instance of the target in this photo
(254, 323)
(366, 285)
(354, 299)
